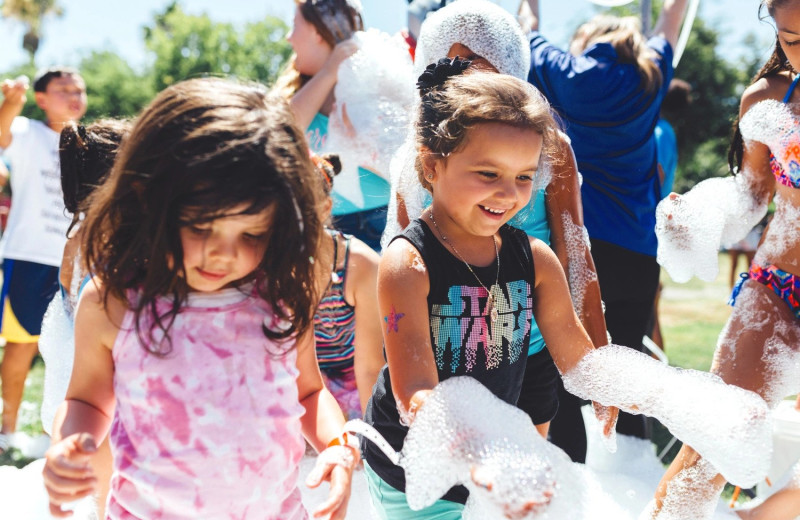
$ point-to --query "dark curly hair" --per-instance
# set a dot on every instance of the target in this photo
(87, 155)
(206, 148)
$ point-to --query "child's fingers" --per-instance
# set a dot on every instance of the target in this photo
(57, 512)
(59, 499)
(315, 477)
(335, 506)
(68, 481)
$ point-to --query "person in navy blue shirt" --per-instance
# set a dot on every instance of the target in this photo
(608, 90)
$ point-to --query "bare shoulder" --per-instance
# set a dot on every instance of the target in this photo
(363, 255)
(99, 314)
(544, 259)
(403, 265)
(362, 270)
(771, 87)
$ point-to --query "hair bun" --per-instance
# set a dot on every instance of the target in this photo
(437, 73)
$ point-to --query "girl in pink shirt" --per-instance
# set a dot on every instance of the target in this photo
(194, 343)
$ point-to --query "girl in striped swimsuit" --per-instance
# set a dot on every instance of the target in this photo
(347, 327)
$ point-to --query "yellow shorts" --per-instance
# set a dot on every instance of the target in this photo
(11, 330)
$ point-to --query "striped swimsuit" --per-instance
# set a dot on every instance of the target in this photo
(334, 332)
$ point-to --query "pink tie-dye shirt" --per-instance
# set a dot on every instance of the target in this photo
(212, 430)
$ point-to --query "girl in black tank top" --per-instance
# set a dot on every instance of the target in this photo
(458, 288)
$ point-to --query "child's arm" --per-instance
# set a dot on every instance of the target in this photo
(309, 99)
(565, 216)
(362, 273)
(13, 101)
(323, 420)
(323, 423)
(669, 22)
(528, 15)
(82, 421)
(561, 329)
(403, 288)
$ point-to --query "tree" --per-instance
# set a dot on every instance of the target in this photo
(114, 89)
(703, 131)
(186, 46)
(31, 13)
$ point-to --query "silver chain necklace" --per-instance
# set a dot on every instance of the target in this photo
(491, 310)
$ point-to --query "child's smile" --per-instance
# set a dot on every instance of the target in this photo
(483, 184)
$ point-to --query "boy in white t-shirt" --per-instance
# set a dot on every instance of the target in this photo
(37, 225)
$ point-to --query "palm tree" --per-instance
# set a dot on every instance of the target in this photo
(30, 13)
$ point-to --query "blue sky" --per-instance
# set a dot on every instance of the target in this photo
(117, 25)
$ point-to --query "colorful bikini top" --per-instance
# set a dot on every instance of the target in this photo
(334, 321)
(772, 123)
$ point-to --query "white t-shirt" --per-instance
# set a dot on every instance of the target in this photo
(37, 223)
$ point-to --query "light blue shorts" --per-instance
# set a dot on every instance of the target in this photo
(391, 504)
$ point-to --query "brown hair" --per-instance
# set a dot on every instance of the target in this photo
(86, 155)
(314, 12)
(776, 64)
(448, 112)
(624, 34)
(201, 150)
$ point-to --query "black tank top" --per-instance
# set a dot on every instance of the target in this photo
(460, 333)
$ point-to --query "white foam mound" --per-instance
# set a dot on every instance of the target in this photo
(57, 346)
(509, 469)
(727, 425)
(373, 91)
(692, 227)
(23, 496)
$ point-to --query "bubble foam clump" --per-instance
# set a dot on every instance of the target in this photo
(463, 434)
(373, 92)
(727, 425)
(577, 239)
(57, 346)
(691, 227)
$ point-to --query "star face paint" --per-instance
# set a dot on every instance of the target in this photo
(392, 320)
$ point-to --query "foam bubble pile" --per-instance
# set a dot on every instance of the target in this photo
(508, 468)
(577, 240)
(57, 346)
(373, 92)
(691, 227)
(784, 233)
(727, 425)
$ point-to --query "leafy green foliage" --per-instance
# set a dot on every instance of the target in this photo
(114, 89)
(703, 129)
(186, 46)
(181, 46)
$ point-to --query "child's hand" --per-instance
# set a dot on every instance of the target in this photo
(342, 51)
(607, 416)
(335, 464)
(67, 474)
(14, 91)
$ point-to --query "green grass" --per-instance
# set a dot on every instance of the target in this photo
(29, 420)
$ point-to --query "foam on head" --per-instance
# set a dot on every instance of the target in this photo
(486, 28)
(726, 424)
